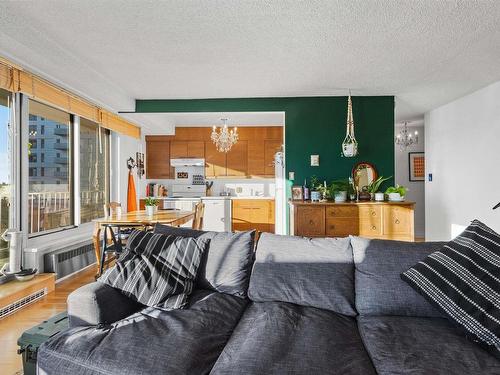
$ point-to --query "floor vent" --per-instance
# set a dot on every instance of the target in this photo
(67, 261)
(13, 307)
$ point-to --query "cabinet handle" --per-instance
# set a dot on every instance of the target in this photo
(396, 221)
(332, 226)
(373, 213)
(311, 222)
(374, 227)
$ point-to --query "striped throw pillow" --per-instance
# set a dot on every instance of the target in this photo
(157, 270)
(463, 281)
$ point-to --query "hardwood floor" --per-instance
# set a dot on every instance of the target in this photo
(14, 325)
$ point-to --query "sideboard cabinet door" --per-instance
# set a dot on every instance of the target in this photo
(310, 221)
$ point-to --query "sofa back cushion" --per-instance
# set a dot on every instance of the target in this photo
(305, 271)
(227, 262)
(379, 288)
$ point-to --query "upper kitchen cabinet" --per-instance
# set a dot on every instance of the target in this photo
(215, 161)
(237, 160)
(157, 157)
(271, 147)
(251, 156)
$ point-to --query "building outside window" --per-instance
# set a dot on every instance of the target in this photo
(50, 201)
(94, 170)
(5, 178)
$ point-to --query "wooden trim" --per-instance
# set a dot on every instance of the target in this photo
(15, 290)
(15, 79)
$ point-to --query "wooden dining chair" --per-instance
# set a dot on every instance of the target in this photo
(199, 210)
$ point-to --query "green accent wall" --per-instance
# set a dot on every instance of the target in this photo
(313, 125)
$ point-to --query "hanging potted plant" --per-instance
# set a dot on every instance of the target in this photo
(150, 205)
(374, 186)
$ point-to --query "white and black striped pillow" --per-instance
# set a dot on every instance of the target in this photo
(157, 270)
(463, 281)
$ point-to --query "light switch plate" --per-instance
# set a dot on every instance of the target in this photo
(291, 175)
(314, 160)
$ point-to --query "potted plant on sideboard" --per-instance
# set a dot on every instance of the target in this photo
(374, 186)
(151, 205)
(396, 193)
(338, 190)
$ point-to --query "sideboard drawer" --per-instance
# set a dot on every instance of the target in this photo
(310, 221)
(341, 227)
(371, 227)
(341, 211)
(398, 221)
(370, 212)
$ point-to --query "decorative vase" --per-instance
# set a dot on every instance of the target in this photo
(340, 196)
(150, 210)
(395, 197)
(379, 197)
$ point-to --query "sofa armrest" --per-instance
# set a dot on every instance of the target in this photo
(98, 304)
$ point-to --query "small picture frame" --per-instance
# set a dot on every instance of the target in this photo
(416, 166)
(297, 193)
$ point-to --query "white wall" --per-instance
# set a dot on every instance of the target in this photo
(123, 147)
(463, 153)
(416, 189)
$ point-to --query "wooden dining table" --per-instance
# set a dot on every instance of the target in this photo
(134, 219)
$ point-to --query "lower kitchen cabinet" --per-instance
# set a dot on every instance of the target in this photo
(248, 214)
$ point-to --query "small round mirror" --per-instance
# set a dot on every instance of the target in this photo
(363, 174)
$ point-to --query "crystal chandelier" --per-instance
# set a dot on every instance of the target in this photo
(350, 145)
(404, 138)
(224, 139)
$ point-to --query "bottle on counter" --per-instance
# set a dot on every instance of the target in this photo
(305, 188)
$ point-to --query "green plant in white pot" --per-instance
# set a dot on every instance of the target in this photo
(150, 204)
(338, 190)
(396, 193)
(373, 187)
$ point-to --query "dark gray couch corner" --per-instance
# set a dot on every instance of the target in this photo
(96, 304)
(316, 306)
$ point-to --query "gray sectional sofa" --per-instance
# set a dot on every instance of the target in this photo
(300, 306)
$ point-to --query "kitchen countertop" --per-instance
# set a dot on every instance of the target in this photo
(213, 197)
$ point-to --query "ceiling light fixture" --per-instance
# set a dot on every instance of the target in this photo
(405, 139)
(350, 145)
(224, 139)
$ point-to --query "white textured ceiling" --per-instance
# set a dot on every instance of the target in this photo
(425, 52)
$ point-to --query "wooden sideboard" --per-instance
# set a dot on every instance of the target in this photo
(248, 214)
(385, 220)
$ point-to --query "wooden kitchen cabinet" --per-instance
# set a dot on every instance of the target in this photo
(248, 214)
(384, 220)
(251, 156)
(237, 160)
(157, 157)
(271, 147)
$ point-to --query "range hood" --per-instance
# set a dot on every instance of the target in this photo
(187, 162)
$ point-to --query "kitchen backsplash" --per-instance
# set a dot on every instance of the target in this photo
(237, 187)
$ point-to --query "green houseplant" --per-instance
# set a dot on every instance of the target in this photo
(373, 187)
(396, 193)
(338, 190)
(150, 204)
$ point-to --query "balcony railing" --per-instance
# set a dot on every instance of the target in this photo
(61, 146)
(46, 205)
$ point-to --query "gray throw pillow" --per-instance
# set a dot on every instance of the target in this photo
(227, 263)
(157, 270)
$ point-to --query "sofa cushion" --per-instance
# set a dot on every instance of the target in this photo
(149, 342)
(283, 338)
(379, 288)
(309, 272)
(226, 264)
(421, 346)
(463, 281)
(157, 270)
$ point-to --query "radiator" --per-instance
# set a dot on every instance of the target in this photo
(64, 262)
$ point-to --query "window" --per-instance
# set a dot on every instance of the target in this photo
(5, 180)
(42, 157)
(32, 157)
(50, 200)
(94, 170)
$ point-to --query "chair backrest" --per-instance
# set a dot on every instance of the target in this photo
(199, 209)
(110, 208)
